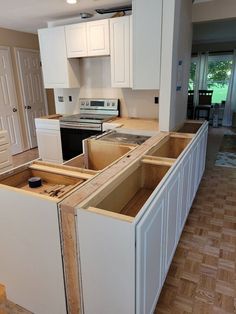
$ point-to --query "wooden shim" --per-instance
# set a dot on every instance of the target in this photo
(161, 161)
(71, 265)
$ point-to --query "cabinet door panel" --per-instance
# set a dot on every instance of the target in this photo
(53, 56)
(185, 173)
(49, 144)
(120, 51)
(76, 40)
(98, 38)
(149, 252)
(5, 156)
(172, 216)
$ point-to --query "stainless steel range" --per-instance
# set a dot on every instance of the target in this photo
(75, 128)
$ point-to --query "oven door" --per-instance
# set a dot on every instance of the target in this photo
(71, 140)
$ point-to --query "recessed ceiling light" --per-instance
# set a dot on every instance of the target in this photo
(71, 1)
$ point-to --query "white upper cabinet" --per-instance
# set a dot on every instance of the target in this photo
(120, 51)
(58, 71)
(76, 40)
(88, 39)
(98, 38)
(147, 28)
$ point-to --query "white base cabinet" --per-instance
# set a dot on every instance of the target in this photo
(5, 152)
(124, 258)
(49, 140)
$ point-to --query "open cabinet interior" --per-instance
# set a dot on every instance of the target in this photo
(54, 184)
(190, 127)
(128, 197)
(170, 147)
(99, 154)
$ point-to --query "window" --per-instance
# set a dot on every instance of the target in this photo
(214, 73)
(193, 67)
(218, 76)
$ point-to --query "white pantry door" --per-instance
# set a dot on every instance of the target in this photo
(9, 116)
(32, 88)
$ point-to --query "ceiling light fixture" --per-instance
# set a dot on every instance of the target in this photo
(71, 1)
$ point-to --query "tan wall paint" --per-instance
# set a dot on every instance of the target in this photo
(11, 38)
(214, 10)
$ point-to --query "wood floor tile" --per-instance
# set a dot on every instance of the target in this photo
(204, 267)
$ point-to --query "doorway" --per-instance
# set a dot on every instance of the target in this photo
(9, 114)
(32, 89)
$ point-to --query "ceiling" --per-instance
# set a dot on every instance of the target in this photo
(30, 15)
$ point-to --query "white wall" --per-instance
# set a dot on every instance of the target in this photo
(176, 46)
(214, 10)
(95, 82)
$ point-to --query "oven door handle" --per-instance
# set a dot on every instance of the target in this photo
(81, 126)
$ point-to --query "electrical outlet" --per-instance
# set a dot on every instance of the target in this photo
(60, 98)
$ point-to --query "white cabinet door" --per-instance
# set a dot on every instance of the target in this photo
(120, 51)
(58, 72)
(147, 23)
(49, 145)
(76, 40)
(173, 201)
(98, 38)
(185, 178)
(5, 157)
(149, 256)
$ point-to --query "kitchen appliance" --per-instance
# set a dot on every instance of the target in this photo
(75, 128)
(125, 138)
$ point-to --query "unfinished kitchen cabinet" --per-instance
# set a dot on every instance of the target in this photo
(31, 259)
(49, 139)
(99, 154)
(147, 34)
(5, 152)
(132, 223)
(58, 71)
(120, 51)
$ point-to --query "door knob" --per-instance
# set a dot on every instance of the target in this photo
(27, 107)
(14, 110)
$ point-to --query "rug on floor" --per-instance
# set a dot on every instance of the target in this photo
(226, 157)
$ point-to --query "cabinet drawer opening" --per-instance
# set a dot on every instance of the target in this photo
(170, 147)
(99, 154)
(53, 184)
(129, 196)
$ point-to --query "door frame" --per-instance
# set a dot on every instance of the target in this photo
(8, 49)
(17, 50)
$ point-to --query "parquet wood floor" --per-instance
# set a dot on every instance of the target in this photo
(202, 276)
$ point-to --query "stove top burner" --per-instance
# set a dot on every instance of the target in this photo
(94, 118)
